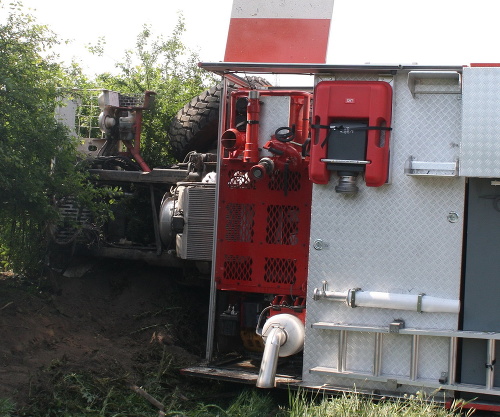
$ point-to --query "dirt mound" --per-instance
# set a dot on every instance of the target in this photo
(113, 321)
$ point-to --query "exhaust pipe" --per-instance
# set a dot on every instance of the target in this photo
(283, 335)
(267, 372)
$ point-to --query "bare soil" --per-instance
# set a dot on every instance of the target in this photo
(110, 321)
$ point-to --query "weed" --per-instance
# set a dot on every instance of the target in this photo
(356, 405)
(7, 407)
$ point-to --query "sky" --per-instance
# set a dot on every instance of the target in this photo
(434, 32)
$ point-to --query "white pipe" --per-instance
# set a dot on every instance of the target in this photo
(392, 301)
(267, 372)
(406, 302)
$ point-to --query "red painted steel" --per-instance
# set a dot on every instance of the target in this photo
(282, 40)
(369, 101)
(252, 130)
(478, 64)
(285, 304)
(476, 405)
(263, 226)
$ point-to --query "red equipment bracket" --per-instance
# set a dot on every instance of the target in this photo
(369, 101)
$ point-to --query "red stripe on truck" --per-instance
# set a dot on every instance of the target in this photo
(277, 40)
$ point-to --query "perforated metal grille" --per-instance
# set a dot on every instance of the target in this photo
(282, 225)
(73, 218)
(240, 222)
(131, 101)
(278, 270)
(240, 179)
(237, 268)
(281, 181)
(199, 222)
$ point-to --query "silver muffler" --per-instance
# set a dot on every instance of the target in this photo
(283, 336)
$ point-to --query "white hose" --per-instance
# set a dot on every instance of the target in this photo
(406, 302)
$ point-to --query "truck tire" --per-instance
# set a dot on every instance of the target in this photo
(195, 126)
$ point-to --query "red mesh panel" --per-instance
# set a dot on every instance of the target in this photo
(281, 271)
(262, 242)
(282, 225)
(263, 231)
(281, 182)
(237, 268)
(239, 222)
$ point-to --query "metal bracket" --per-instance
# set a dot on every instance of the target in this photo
(444, 378)
(419, 302)
(392, 384)
(351, 297)
(444, 82)
(426, 168)
(396, 326)
(490, 365)
(387, 78)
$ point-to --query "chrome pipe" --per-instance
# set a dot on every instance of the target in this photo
(414, 357)
(267, 372)
(342, 353)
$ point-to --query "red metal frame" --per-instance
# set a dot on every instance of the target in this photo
(263, 226)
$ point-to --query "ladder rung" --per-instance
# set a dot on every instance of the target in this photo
(420, 382)
(377, 355)
(463, 334)
(379, 332)
(490, 364)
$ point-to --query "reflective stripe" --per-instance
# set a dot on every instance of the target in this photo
(276, 31)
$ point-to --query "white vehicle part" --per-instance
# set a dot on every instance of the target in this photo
(283, 335)
(421, 303)
(411, 302)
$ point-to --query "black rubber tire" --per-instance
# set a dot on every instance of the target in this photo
(195, 126)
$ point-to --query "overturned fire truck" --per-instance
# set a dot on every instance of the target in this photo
(350, 229)
(374, 239)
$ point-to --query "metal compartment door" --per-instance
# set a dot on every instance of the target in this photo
(481, 306)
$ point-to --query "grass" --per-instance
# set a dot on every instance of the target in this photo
(7, 407)
(85, 395)
(355, 405)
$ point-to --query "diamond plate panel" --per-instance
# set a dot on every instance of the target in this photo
(433, 357)
(360, 351)
(275, 113)
(396, 356)
(480, 147)
(395, 238)
(329, 343)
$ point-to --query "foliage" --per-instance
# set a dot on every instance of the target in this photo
(84, 394)
(68, 392)
(166, 67)
(6, 407)
(37, 155)
(356, 405)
